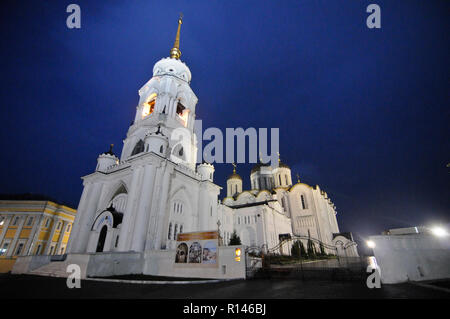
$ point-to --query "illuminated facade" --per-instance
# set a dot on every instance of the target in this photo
(276, 206)
(135, 204)
(33, 227)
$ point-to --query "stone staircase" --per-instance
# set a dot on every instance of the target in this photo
(53, 269)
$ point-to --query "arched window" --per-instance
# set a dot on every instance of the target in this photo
(175, 232)
(169, 234)
(138, 148)
(279, 177)
(303, 200)
(287, 180)
(149, 106)
(180, 109)
(181, 229)
(180, 153)
(161, 149)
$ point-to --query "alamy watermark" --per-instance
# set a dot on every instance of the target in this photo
(74, 278)
(235, 145)
(374, 19)
(74, 19)
(374, 279)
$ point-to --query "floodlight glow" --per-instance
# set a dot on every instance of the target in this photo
(370, 244)
(439, 231)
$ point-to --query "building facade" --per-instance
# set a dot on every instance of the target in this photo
(33, 227)
(155, 189)
(275, 208)
(135, 204)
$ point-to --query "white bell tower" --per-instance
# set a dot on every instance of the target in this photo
(168, 102)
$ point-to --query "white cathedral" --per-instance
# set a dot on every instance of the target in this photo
(142, 200)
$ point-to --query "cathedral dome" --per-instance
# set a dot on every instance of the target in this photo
(235, 176)
(174, 67)
(258, 166)
(281, 164)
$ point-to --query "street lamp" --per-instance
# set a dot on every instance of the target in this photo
(439, 231)
(370, 244)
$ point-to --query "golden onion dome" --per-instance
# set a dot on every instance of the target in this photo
(234, 175)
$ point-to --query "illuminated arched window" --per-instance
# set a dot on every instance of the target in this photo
(149, 106)
(182, 112)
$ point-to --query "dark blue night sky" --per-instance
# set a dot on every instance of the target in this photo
(363, 113)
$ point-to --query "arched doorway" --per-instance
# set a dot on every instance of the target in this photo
(101, 239)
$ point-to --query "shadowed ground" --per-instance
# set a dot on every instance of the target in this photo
(24, 286)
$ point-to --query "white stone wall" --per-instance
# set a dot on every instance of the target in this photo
(161, 263)
(412, 257)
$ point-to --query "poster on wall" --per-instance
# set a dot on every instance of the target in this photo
(197, 249)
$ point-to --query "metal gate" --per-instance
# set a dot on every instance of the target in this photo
(308, 263)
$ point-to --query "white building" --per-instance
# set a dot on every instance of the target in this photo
(132, 207)
(275, 207)
(155, 190)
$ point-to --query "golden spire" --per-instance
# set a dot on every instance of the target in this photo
(175, 53)
(279, 159)
(298, 178)
(234, 168)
